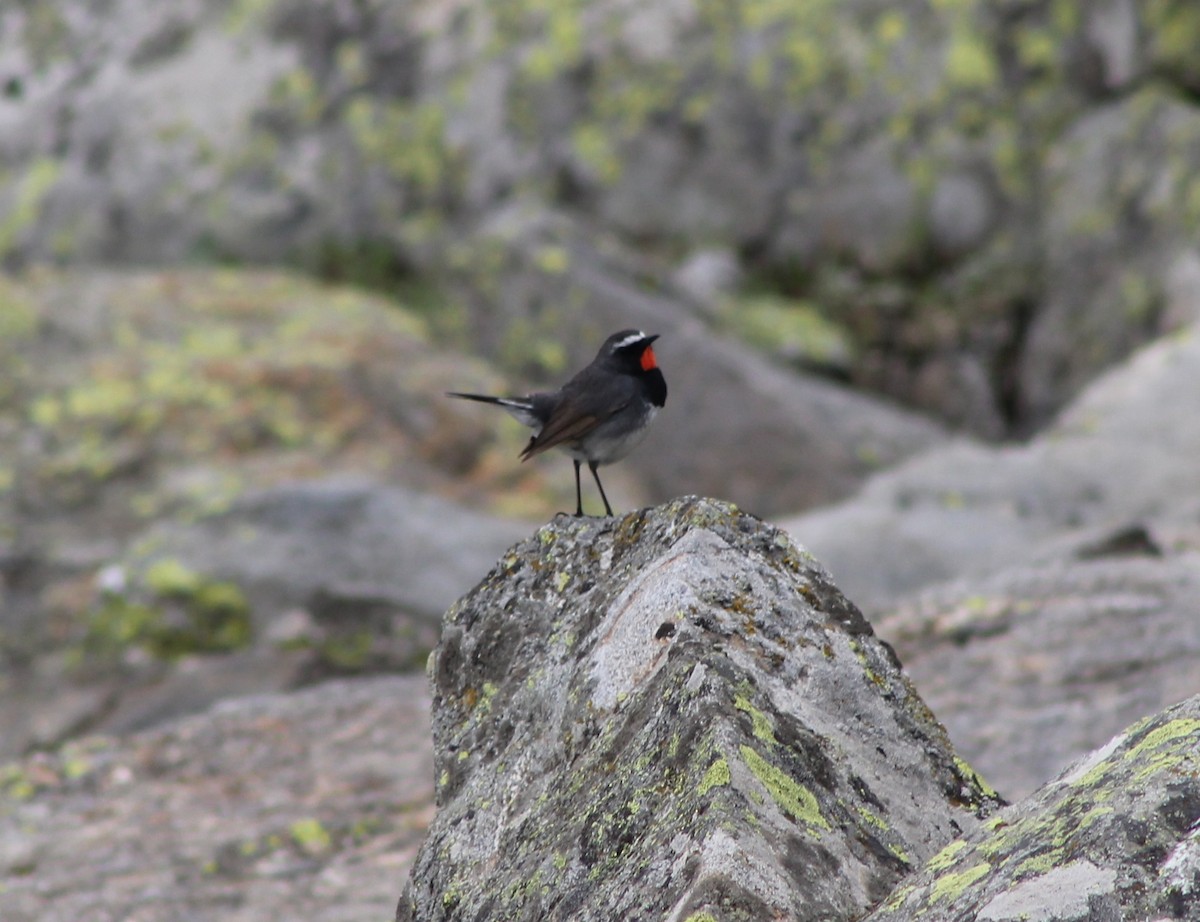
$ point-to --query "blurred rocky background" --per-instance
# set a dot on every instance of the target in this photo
(927, 276)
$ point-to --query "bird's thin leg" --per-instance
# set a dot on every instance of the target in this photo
(593, 465)
(578, 494)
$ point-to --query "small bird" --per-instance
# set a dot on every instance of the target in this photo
(600, 414)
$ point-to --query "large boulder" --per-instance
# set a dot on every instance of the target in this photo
(670, 715)
(1113, 837)
(1123, 453)
(286, 587)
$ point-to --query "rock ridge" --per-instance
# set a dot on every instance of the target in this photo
(674, 713)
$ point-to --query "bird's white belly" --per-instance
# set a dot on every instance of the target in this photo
(605, 447)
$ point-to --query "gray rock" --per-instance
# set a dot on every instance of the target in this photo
(307, 804)
(1113, 837)
(335, 544)
(869, 213)
(708, 276)
(1066, 570)
(962, 212)
(1116, 220)
(1110, 30)
(1183, 291)
(671, 714)
(1034, 666)
(1123, 452)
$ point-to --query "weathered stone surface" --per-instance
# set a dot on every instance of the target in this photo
(1040, 596)
(1033, 666)
(1123, 452)
(334, 546)
(824, 143)
(1121, 207)
(300, 806)
(336, 577)
(1113, 837)
(670, 714)
(189, 459)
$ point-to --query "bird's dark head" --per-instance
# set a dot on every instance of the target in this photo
(632, 352)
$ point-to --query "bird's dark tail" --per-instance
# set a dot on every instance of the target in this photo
(482, 398)
(521, 408)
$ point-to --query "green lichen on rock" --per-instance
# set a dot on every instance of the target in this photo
(792, 797)
(174, 612)
(178, 369)
(1138, 796)
(310, 835)
(975, 778)
(949, 886)
(717, 775)
(761, 724)
(793, 329)
(30, 191)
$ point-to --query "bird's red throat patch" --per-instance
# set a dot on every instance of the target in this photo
(648, 359)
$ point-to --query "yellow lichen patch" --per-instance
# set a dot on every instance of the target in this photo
(759, 722)
(792, 797)
(945, 857)
(716, 776)
(310, 835)
(951, 886)
(970, 774)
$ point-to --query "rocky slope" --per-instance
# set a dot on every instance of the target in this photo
(216, 483)
(305, 805)
(989, 203)
(678, 694)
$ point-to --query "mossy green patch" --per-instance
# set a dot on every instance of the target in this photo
(175, 612)
(793, 329)
(791, 796)
(310, 835)
(951, 886)
(760, 723)
(972, 776)
(1038, 864)
(872, 820)
(945, 857)
(347, 651)
(15, 783)
(717, 775)
(899, 895)
(169, 577)
(970, 61)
